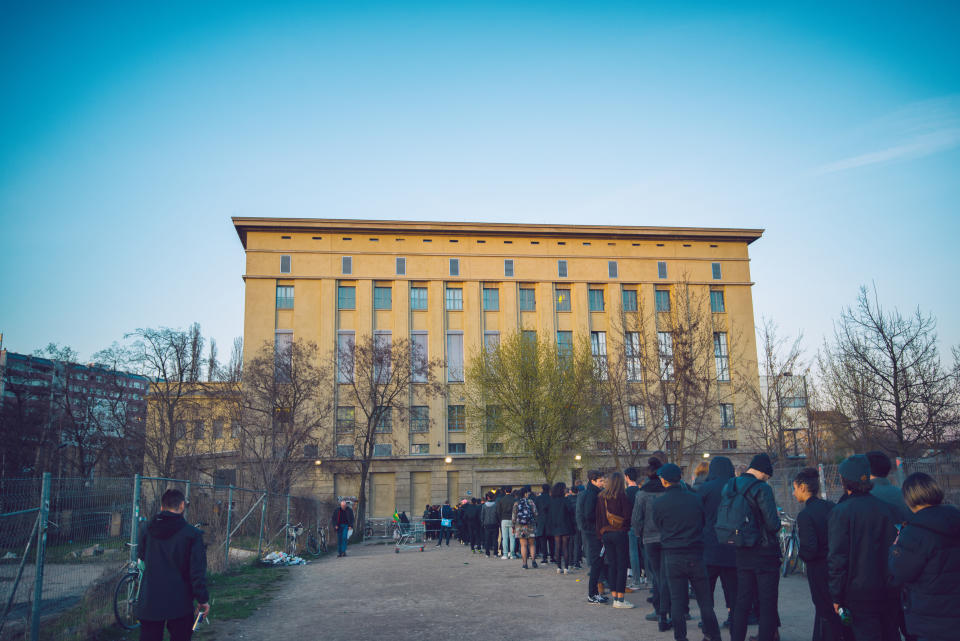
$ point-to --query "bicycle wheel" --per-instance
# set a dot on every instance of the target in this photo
(323, 540)
(125, 602)
(789, 563)
(313, 546)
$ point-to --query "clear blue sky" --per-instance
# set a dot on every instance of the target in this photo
(131, 132)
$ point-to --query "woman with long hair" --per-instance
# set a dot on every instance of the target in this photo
(614, 512)
(524, 520)
(559, 525)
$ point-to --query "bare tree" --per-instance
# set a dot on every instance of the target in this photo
(378, 380)
(883, 370)
(213, 366)
(534, 400)
(234, 369)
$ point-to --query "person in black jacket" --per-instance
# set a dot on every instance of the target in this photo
(544, 543)
(444, 515)
(679, 517)
(586, 522)
(575, 550)
(175, 572)
(474, 526)
(341, 521)
(721, 558)
(812, 533)
(859, 534)
(925, 559)
(558, 521)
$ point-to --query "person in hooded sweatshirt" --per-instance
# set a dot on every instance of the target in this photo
(721, 558)
(491, 525)
(175, 573)
(925, 559)
(646, 530)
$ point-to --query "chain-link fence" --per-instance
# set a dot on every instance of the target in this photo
(65, 543)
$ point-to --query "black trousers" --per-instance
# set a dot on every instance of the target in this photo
(180, 629)
(617, 558)
(758, 576)
(490, 533)
(576, 544)
(592, 546)
(687, 567)
(874, 620)
(826, 624)
(728, 582)
(654, 565)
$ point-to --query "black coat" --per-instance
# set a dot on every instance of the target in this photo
(812, 529)
(926, 559)
(176, 568)
(541, 501)
(679, 516)
(859, 534)
(341, 516)
(716, 553)
(558, 517)
(587, 508)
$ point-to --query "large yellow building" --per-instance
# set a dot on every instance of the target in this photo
(456, 286)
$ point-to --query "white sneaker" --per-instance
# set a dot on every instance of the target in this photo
(504, 557)
(623, 604)
(559, 571)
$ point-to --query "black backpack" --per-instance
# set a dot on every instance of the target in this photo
(738, 517)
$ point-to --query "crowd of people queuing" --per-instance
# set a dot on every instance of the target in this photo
(880, 562)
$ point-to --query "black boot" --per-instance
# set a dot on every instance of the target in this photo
(663, 623)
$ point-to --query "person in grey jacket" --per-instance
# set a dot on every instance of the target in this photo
(490, 521)
(883, 489)
(646, 530)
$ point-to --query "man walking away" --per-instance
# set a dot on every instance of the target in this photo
(575, 542)
(446, 523)
(748, 517)
(544, 542)
(475, 525)
(721, 558)
(175, 575)
(860, 532)
(504, 512)
(342, 520)
(631, 475)
(645, 528)
(491, 525)
(812, 532)
(679, 517)
(587, 522)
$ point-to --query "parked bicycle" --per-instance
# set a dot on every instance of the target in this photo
(126, 594)
(313, 542)
(789, 545)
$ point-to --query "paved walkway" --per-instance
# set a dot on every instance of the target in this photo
(448, 593)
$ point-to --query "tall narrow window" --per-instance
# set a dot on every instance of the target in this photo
(716, 301)
(454, 357)
(346, 297)
(456, 418)
(346, 418)
(384, 423)
(662, 300)
(382, 356)
(198, 430)
(283, 356)
(382, 297)
(491, 341)
(419, 419)
(418, 298)
(508, 268)
(631, 345)
(454, 298)
(565, 343)
(418, 356)
(528, 299)
(669, 417)
(491, 299)
(345, 357)
(596, 300)
(722, 356)
(562, 268)
(665, 352)
(636, 417)
(726, 416)
(401, 266)
(661, 269)
(529, 336)
(284, 296)
(284, 264)
(612, 268)
(598, 347)
(454, 266)
(629, 300)
(563, 300)
(716, 271)
(346, 264)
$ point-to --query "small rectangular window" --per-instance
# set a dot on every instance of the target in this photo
(311, 451)
(454, 298)
(662, 300)
(596, 300)
(401, 266)
(716, 301)
(454, 266)
(661, 269)
(456, 418)
(529, 335)
(528, 299)
(508, 268)
(494, 448)
(456, 448)
(562, 268)
(716, 271)
(563, 300)
(344, 451)
(284, 264)
(346, 297)
(420, 448)
(382, 298)
(629, 300)
(418, 298)
(346, 264)
(383, 449)
(284, 297)
(612, 268)
(728, 445)
(491, 299)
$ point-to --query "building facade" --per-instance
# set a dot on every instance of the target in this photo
(456, 287)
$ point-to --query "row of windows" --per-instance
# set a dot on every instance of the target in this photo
(199, 429)
(641, 446)
(346, 267)
(527, 299)
(386, 449)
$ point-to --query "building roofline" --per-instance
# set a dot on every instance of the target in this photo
(243, 225)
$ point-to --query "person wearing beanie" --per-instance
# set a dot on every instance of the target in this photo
(758, 559)
(721, 558)
(883, 489)
(860, 532)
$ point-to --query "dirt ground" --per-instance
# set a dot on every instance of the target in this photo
(448, 593)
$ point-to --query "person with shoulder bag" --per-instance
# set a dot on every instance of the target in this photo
(613, 513)
(523, 520)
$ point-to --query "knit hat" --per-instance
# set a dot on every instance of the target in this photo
(856, 468)
(761, 463)
(670, 473)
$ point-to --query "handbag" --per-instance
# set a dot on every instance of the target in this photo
(615, 520)
(445, 522)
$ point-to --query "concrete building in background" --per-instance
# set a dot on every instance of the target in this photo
(456, 287)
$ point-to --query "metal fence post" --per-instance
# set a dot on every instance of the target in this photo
(135, 518)
(186, 497)
(823, 482)
(229, 523)
(286, 525)
(41, 557)
(263, 518)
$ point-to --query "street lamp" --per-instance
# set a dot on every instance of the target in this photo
(706, 455)
(577, 457)
(449, 459)
(318, 462)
